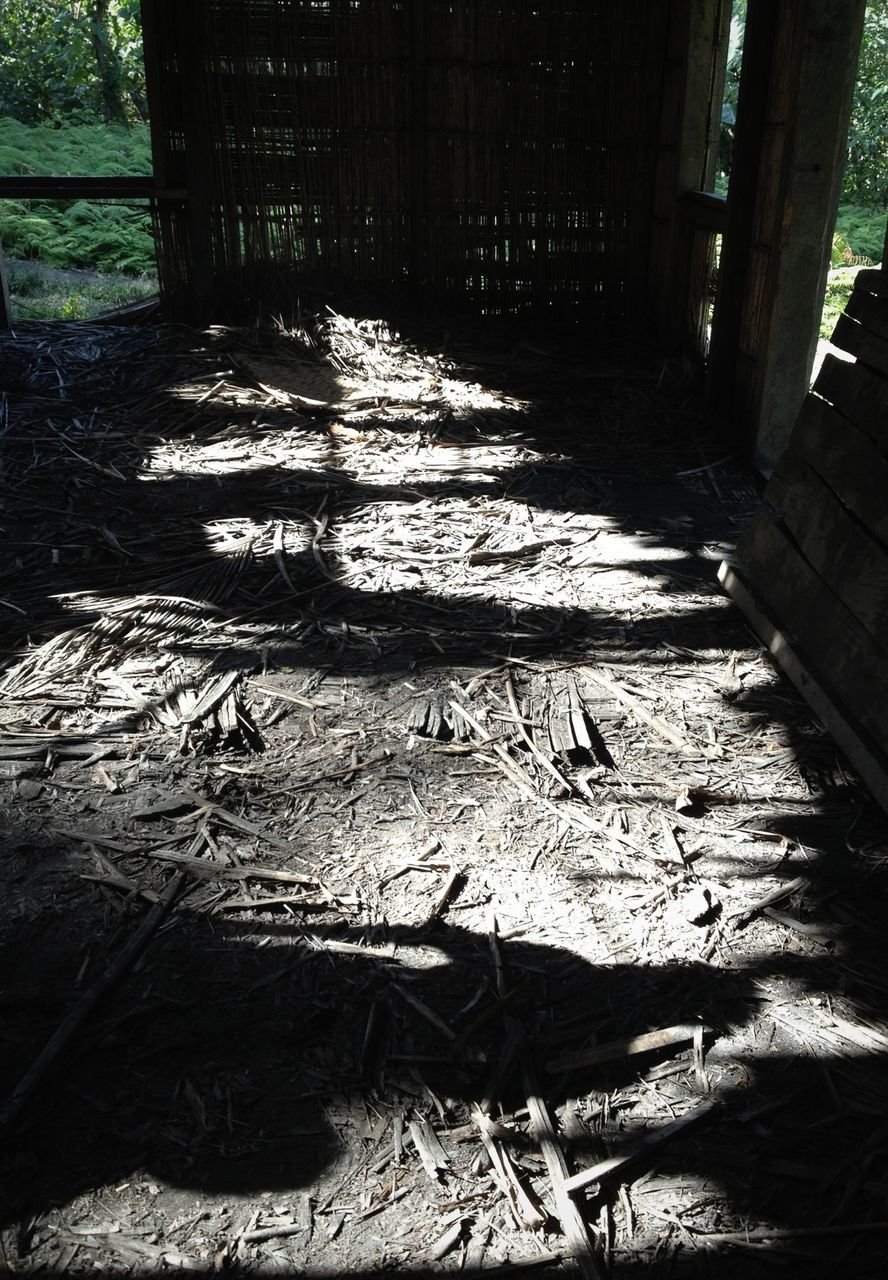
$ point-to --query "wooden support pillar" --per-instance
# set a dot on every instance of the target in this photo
(5, 305)
(797, 81)
(199, 127)
(175, 35)
(687, 148)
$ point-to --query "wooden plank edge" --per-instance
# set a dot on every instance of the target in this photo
(866, 757)
(870, 310)
(859, 341)
(873, 279)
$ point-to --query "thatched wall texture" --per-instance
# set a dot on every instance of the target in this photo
(501, 151)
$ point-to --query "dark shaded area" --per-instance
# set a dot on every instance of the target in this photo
(213, 1066)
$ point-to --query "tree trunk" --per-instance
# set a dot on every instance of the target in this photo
(108, 64)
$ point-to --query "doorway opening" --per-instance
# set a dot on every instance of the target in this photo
(859, 232)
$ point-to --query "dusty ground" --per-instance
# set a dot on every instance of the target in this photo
(381, 761)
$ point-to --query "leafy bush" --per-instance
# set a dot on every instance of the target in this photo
(64, 60)
(857, 242)
(865, 180)
(99, 150)
(862, 229)
(866, 172)
(839, 284)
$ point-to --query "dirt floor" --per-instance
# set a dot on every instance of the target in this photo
(410, 860)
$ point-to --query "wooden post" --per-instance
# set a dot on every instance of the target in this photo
(799, 61)
(418, 231)
(687, 148)
(199, 151)
(175, 35)
(5, 307)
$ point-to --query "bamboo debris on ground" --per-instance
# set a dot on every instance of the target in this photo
(650, 1141)
(644, 1043)
(527, 1214)
(576, 1232)
(345, 609)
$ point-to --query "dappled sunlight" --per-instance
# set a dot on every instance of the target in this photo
(449, 731)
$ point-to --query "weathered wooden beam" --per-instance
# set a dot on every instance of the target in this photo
(833, 638)
(754, 107)
(199, 141)
(799, 61)
(864, 753)
(686, 150)
(847, 555)
(873, 280)
(850, 460)
(704, 209)
(859, 340)
(858, 394)
(5, 308)
(86, 188)
(871, 311)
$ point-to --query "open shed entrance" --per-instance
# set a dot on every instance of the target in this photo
(410, 860)
(794, 101)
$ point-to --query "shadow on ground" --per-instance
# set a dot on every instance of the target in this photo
(237, 1056)
(231, 1068)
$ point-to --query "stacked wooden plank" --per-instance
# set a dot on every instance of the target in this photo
(812, 570)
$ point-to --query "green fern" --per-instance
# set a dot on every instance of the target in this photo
(79, 234)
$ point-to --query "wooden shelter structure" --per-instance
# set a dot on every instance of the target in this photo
(551, 159)
(545, 159)
(411, 859)
(516, 157)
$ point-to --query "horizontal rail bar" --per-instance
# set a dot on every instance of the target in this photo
(45, 188)
(704, 208)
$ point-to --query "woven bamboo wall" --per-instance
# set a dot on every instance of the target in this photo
(497, 150)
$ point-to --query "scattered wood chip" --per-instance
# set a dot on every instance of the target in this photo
(651, 1141)
(647, 1042)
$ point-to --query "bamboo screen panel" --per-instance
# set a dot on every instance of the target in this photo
(496, 150)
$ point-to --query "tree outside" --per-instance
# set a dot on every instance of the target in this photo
(64, 62)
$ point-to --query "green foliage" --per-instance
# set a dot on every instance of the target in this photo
(858, 240)
(105, 236)
(43, 293)
(99, 150)
(731, 94)
(841, 253)
(866, 172)
(839, 285)
(72, 60)
(862, 230)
